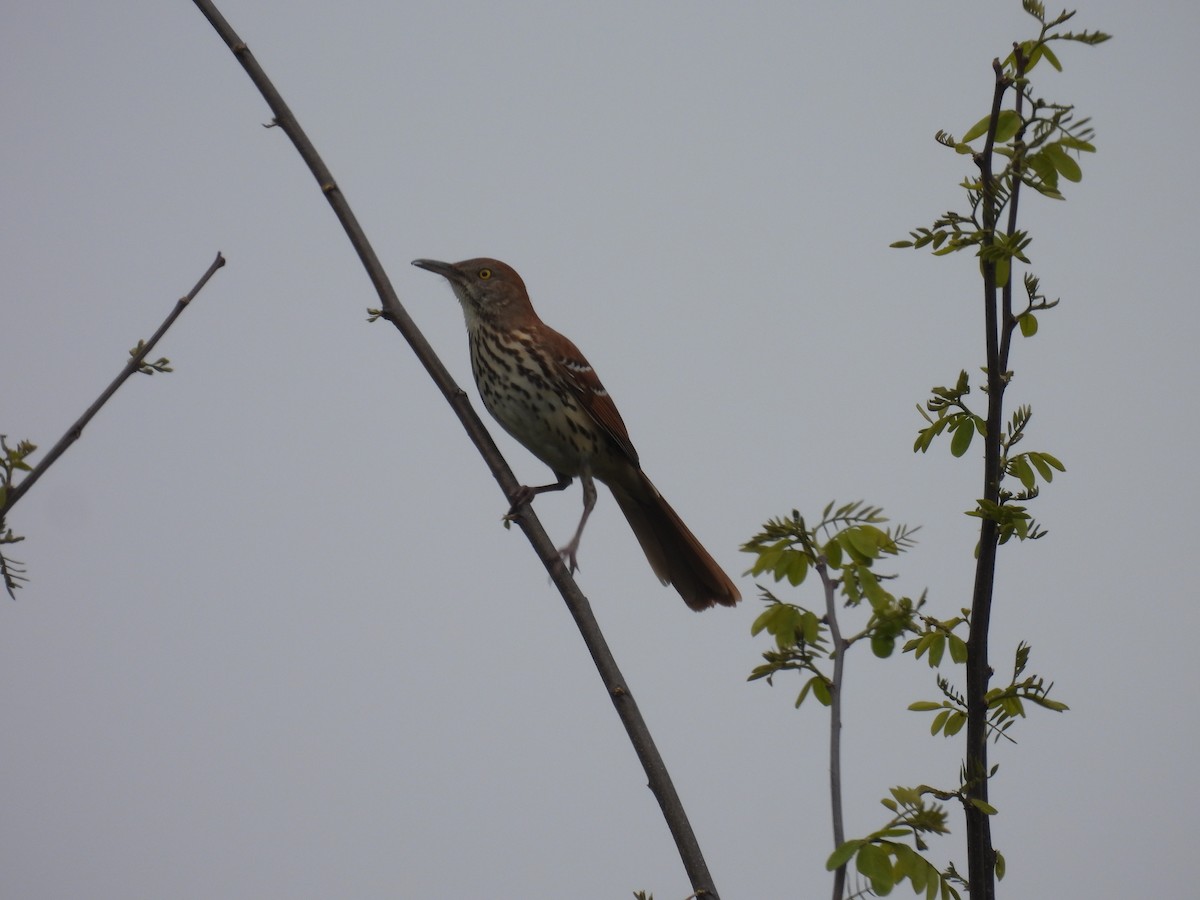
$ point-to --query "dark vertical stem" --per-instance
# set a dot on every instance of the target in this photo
(981, 856)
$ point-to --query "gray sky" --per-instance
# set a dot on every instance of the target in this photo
(276, 641)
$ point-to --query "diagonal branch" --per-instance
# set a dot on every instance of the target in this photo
(577, 604)
(136, 359)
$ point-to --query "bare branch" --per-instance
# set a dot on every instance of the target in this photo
(577, 604)
(137, 360)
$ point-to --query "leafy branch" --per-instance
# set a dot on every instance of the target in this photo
(842, 549)
(885, 861)
(1005, 705)
(1023, 141)
(1037, 144)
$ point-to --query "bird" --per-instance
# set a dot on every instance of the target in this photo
(544, 392)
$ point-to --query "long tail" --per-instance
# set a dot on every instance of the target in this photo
(675, 555)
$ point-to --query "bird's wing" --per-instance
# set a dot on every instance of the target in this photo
(579, 376)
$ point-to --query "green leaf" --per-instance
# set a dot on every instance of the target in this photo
(958, 649)
(937, 646)
(833, 553)
(880, 599)
(1052, 461)
(1028, 48)
(983, 806)
(797, 569)
(964, 430)
(874, 862)
(850, 584)
(763, 671)
(914, 867)
(1042, 164)
(977, 130)
(1028, 323)
(939, 720)
(1070, 142)
(1031, 59)
(803, 693)
(1003, 267)
(1045, 464)
(1055, 705)
(882, 645)
(1008, 123)
(918, 645)
(811, 627)
(999, 865)
(767, 558)
(842, 854)
(926, 435)
(782, 563)
(1019, 468)
(955, 724)
(1050, 57)
(1067, 167)
(782, 621)
(763, 619)
(820, 689)
(858, 544)
(924, 705)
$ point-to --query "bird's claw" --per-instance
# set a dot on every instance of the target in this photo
(567, 554)
(522, 495)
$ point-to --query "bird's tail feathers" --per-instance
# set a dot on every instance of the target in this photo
(674, 553)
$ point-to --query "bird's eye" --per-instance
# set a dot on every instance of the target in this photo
(485, 274)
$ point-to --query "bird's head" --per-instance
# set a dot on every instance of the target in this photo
(489, 290)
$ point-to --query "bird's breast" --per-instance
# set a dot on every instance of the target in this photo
(521, 388)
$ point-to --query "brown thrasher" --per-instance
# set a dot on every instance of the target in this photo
(543, 391)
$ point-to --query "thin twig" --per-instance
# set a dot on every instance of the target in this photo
(136, 359)
(639, 735)
(835, 725)
(1008, 323)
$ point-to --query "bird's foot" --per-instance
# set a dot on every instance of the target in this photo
(567, 554)
(522, 495)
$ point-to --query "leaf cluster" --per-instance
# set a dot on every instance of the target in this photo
(842, 547)
(12, 460)
(1028, 143)
(1040, 142)
(1004, 704)
(947, 411)
(886, 860)
(162, 364)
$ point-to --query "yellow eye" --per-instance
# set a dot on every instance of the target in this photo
(485, 274)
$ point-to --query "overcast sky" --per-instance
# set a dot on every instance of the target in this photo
(276, 642)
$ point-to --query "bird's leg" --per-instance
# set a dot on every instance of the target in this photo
(589, 503)
(525, 493)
